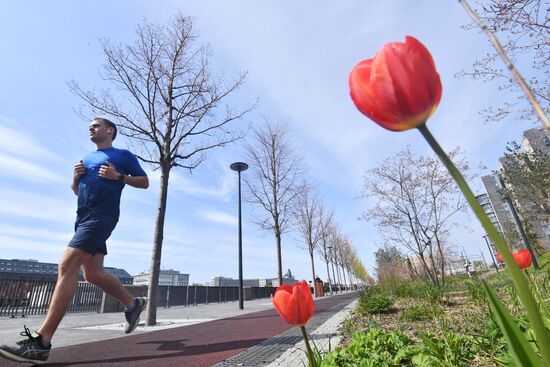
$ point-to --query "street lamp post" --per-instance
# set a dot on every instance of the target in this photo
(491, 252)
(518, 223)
(239, 167)
(332, 266)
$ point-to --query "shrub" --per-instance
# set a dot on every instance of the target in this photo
(372, 349)
(476, 291)
(419, 312)
(376, 304)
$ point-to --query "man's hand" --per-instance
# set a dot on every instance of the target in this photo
(108, 171)
(79, 170)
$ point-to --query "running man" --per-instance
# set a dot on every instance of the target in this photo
(98, 181)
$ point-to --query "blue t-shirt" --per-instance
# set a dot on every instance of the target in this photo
(99, 198)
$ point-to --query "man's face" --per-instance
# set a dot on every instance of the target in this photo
(99, 131)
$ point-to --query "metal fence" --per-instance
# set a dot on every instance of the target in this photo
(168, 296)
(21, 297)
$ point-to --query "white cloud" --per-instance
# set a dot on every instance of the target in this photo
(35, 206)
(27, 248)
(219, 217)
(181, 182)
(34, 233)
(22, 143)
(28, 171)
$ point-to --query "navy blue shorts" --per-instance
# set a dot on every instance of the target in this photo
(91, 236)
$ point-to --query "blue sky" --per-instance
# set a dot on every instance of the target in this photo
(298, 56)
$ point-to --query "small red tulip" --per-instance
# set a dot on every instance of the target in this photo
(522, 258)
(399, 88)
(294, 304)
(499, 258)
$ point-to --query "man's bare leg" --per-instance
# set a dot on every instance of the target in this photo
(67, 279)
(95, 273)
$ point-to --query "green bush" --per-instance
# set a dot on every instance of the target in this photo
(419, 312)
(373, 349)
(377, 348)
(376, 304)
(476, 291)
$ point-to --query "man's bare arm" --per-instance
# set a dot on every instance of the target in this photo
(109, 172)
(78, 171)
(140, 182)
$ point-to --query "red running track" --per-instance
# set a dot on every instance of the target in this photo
(198, 345)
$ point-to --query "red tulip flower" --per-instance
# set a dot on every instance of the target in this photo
(294, 304)
(399, 87)
(499, 258)
(522, 258)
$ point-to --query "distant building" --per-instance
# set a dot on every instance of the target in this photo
(166, 277)
(501, 217)
(499, 209)
(537, 139)
(33, 269)
(220, 281)
(288, 278)
(288, 281)
(485, 202)
(266, 283)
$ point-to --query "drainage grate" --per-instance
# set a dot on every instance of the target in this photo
(270, 349)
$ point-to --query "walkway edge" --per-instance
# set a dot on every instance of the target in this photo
(326, 338)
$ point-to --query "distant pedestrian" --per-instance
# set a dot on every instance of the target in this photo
(98, 180)
(468, 266)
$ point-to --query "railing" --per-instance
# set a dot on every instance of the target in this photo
(22, 297)
(32, 297)
(168, 296)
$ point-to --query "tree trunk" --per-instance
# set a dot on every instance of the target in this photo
(339, 279)
(157, 249)
(442, 262)
(333, 275)
(344, 275)
(313, 274)
(279, 257)
(434, 268)
(329, 279)
(350, 277)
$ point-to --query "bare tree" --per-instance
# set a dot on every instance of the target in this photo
(360, 271)
(326, 224)
(522, 26)
(416, 199)
(167, 101)
(334, 240)
(275, 181)
(340, 247)
(390, 264)
(527, 173)
(308, 221)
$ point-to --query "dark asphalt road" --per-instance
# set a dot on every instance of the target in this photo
(195, 345)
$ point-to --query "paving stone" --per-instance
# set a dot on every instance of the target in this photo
(288, 348)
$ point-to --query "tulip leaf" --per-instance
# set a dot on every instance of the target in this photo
(520, 350)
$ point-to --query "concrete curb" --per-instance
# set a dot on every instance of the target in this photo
(326, 338)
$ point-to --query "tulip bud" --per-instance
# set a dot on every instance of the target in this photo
(399, 88)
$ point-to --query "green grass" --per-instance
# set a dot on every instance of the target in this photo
(411, 323)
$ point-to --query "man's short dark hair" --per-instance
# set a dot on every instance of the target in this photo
(109, 123)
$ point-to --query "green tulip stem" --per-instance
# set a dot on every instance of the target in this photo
(308, 348)
(518, 276)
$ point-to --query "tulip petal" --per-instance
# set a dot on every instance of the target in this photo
(294, 304)
(399, 88)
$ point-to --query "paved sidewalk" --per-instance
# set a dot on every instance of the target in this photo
(326, 338)
(81, 328)
(204, 335)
